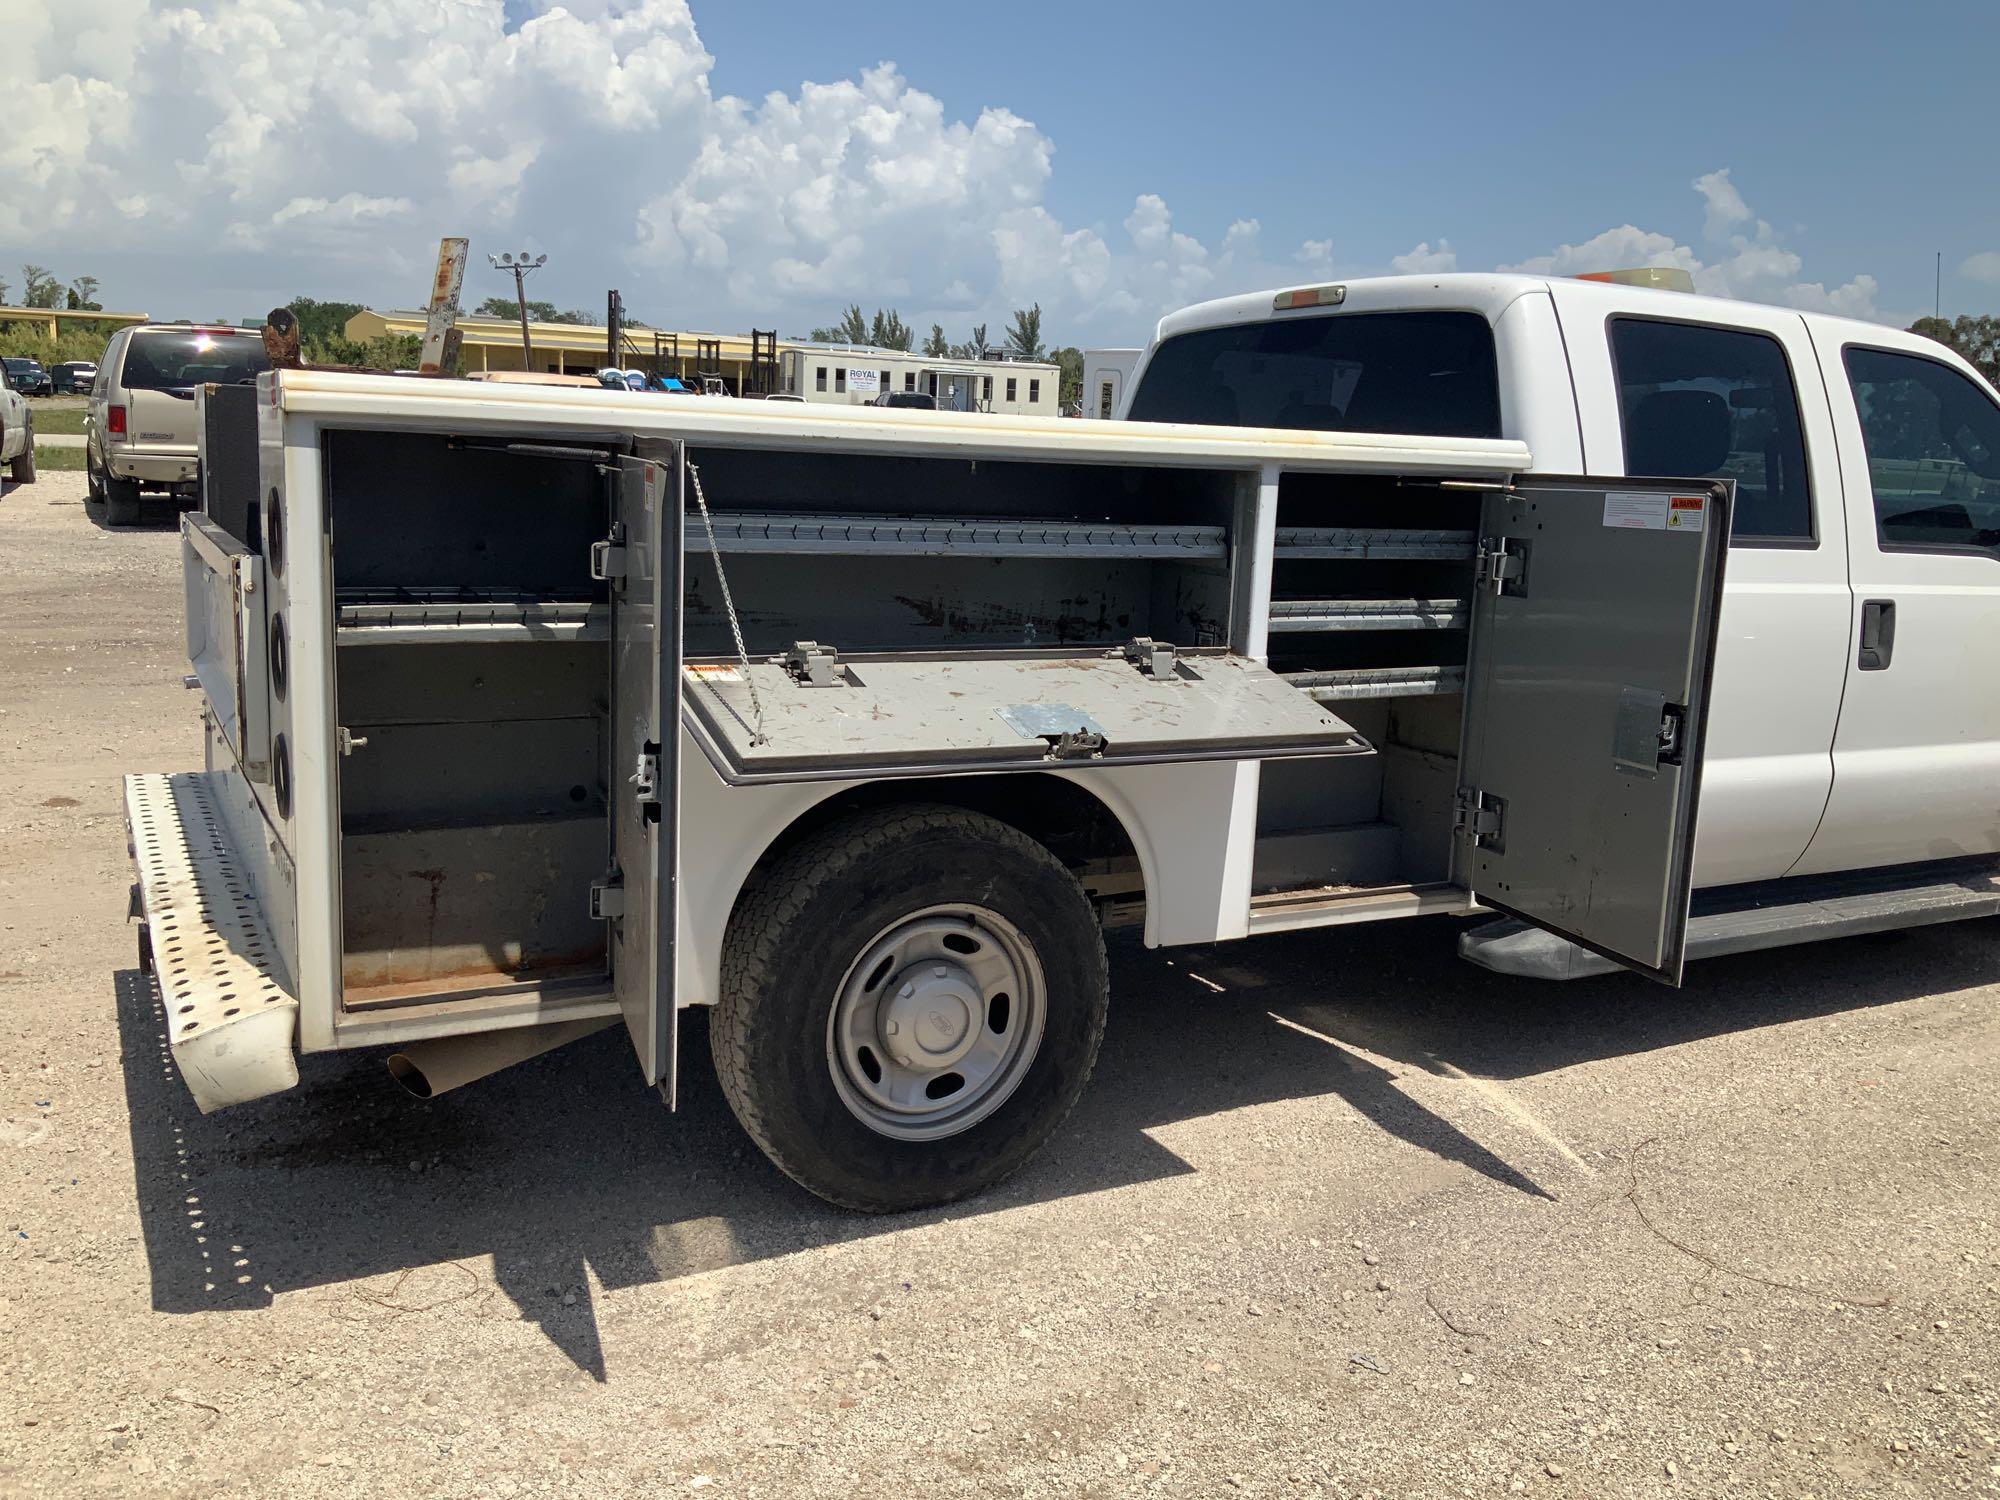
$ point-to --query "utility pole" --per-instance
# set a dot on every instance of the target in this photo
(1937, 289)
(520, 265)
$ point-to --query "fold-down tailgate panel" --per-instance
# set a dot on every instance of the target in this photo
(915, 715)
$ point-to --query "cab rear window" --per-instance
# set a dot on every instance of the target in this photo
(174, 361)
(1430, 373)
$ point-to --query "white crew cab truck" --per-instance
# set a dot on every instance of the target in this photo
(532, 711)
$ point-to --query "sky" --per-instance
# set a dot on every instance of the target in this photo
(738, 163)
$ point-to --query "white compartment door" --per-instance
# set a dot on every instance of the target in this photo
(642, 562)
(1593, 643)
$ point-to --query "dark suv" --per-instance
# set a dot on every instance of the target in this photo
(29, 378)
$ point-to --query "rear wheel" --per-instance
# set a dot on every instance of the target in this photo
(23, 468)
(912, 1000)
(121, 500)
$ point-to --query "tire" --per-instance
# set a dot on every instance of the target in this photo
(792, 968)
(121, 501)
(23, 469)
(93, 482)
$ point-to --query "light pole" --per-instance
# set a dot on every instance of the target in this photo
(520, 265)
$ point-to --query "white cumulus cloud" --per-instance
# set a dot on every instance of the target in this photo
(1985, 266)
(1424, 261)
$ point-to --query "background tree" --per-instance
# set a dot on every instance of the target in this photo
(937, 346)
(3, 291)
(974, 347)
(41, 289)
(321, 321)
(1976, 339)
(890, 331)
(83, 295)
(1024, 339)
(1069, 360)
(851, 329)
(538, 312)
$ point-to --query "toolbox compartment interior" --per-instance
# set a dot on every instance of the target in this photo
(473, 656)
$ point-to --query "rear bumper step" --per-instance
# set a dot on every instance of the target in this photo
(1772, 914)
(230, 1019)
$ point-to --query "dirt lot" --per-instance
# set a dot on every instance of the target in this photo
(1340, 1215)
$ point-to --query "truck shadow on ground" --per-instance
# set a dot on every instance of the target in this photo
(568, 1163)
(155, 514)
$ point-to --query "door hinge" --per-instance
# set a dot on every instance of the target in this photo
(1153, 658)
(607, 900)
(1480, 818)
(813, 665)
(607, 560)
(1502, 565)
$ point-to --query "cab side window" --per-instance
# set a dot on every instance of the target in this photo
(1933, 443)
(1699, 402)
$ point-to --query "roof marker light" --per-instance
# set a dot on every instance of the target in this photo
(1309, 296)
(1661, 278)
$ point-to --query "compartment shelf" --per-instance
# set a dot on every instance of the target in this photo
(792, 532)
(1398, 543)
(408, 617)
(1347, 685)
(1298, 615)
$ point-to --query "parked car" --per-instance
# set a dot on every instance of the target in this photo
(142, 429)
(17, 429)
(73, 377)
(911, 400)
(29, 378)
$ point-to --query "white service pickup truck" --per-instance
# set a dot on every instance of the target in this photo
(532, 711)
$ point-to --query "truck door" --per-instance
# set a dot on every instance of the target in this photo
(1916, 759)
(642, 562)
(1594, 624)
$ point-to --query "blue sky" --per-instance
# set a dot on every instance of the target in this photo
(736, 163)
(1861, 132)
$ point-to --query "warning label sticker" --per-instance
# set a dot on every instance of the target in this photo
(713, 672)
(1633, 510)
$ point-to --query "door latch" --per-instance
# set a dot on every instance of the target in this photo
(645, 777)
(607, 560)
(813, 665)
(1153, 658)
(607, 900)
(1076, 744)
(347, 742)
(1480, 818)
(1502, 565)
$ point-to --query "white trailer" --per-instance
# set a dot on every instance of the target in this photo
(532, 711)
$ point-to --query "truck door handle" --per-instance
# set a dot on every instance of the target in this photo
(1878, 634)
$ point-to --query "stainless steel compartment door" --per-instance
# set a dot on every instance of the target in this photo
(1593, 637)
(880, 716)
(642, 560)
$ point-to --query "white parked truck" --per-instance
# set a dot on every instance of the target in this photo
(531, 711)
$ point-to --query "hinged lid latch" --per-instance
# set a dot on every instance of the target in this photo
(607, 899)
(645, 777)
(1075, 744)
(1154, 658)
(813, 665)
(1480, 818)
(1502, 566)
(607, 558)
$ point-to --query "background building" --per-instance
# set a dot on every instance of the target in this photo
(856, 374)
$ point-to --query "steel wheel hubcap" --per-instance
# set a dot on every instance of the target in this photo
(936, 1022)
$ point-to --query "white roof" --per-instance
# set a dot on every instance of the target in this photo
(378, 401)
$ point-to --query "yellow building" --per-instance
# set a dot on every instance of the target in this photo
(576, 348)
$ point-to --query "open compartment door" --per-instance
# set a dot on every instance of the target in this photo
(641, 560)
(815, 715)
(1593, 641)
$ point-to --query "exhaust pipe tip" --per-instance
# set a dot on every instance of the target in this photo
(410, 1075)
(440, 1064)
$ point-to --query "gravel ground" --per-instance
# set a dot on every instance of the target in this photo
(1339, 1215)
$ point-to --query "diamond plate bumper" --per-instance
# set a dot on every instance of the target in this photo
(230, 1019)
